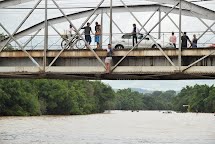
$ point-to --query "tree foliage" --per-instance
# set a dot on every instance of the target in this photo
(200, 98)
(53, 97)
(60, 97)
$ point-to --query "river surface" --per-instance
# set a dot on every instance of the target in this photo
(117, 127)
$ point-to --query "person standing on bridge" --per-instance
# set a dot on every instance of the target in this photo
(97, 34)
(184, 40)
(194, 41)
(87, 31)
(135, 31)
(172, 39)
(71, 30)
(108, 58)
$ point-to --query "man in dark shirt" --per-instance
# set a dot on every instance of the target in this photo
(135, 31)
(87, 31)
(184, 40)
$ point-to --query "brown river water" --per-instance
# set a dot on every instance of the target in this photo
(116, 127)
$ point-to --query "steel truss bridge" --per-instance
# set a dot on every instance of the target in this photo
(130, 64)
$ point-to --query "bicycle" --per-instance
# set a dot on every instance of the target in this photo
(76, 41)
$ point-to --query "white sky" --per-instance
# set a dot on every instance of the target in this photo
(11, 19)
(162, 85)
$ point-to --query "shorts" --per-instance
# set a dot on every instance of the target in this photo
(88, 38)
(108, 59)
(194, 45)
(97, 38)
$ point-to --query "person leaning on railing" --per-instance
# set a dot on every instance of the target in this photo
(184, 40)
(194, 41)
(87, 30)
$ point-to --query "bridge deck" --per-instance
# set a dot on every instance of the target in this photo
(102, 53)
(140, 64)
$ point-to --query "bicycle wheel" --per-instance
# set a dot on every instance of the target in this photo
(64, 43)
(80, 44)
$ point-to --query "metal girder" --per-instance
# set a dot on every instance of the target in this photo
(206, 30)
(115, 24)
(116, 9)
(147, 33)
(45, 36)
(159, 26)
(81, 32)
(7, 3)
(20, 25)
(208, 27)
(196, 8)
(173, 22)
(194, 52)
(30, 57)
(111, 22)
(180, 26)
(149, 19)
(189, 66)
(189, 6)
(139, 70)
(77, 33)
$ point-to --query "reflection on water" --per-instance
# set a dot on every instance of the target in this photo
(144, 127)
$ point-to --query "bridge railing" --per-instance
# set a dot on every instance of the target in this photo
(55, 41)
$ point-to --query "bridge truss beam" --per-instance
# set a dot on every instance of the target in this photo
(116, 9)
(8, 3)
(188, 9)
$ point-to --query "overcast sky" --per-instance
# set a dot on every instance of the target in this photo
(157, 84)
(10, 19)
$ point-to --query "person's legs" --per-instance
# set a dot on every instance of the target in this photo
(97, 45)
(108, 68)
(108, 64)
(194, 45)
(136, 39)
(133, 39)
(90, 40)
(86, 40)
(97, 40)
(174, 45)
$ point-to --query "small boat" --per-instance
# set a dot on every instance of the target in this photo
(166, 112)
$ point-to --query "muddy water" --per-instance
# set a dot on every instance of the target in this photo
(117, 127)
